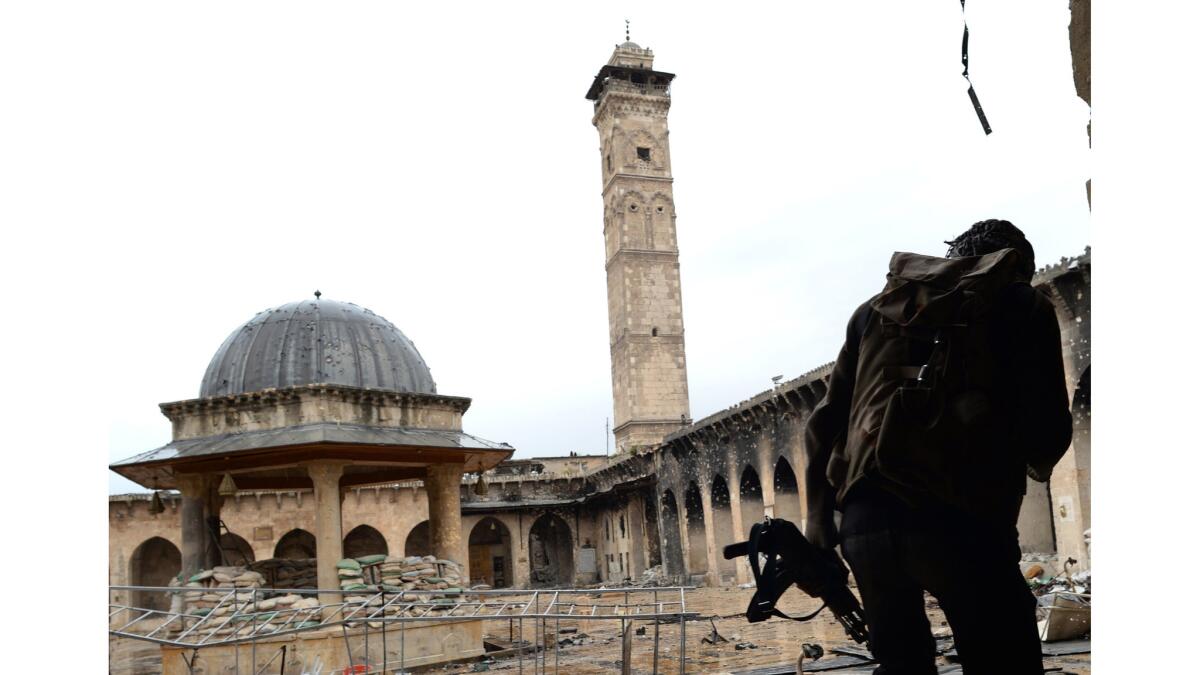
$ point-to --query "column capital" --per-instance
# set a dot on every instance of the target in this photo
(193, 484)
(324, 473)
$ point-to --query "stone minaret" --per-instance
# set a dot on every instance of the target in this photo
(645, 310)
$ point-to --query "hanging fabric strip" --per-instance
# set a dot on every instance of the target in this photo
(987, 128)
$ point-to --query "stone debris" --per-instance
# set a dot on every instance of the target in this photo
(654, 576)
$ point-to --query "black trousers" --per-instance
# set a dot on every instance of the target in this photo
(897, 553)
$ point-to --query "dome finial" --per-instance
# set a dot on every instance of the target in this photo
(627, 30)
(317, 293)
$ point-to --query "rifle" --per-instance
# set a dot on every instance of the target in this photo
(792, 559)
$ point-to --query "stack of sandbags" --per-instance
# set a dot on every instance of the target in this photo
(285, 612)
(398, 575)
(419, 573)
(285, 573)
(350, 575)
(371, 567)
(212, 588)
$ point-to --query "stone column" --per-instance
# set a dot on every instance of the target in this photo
(739, 530)
(213, 502)
(442, 484)
(328, 505)
(710, 537)
(193, 491)
(800, 467)
(766, 479)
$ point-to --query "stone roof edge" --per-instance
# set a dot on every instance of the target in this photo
(1064, 265)
(270, 395)
(783, 388)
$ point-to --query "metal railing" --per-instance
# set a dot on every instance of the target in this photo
(238, 617)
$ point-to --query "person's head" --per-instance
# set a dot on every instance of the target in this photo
(989, 236)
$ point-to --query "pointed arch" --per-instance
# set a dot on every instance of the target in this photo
(363, 540)
(551, 558)
(723, 528)
(154, 563)
(787, 493)
(235, 550)
(672, 539)
(750, 488)
(418, 541)
(697, 542)
(490, 554)
(296, 545)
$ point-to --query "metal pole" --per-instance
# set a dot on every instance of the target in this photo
(682, 635)
(253, 629)
(346, 639)
(520, 655)
(383, 632)
(366, 643)
(657, 622)
(626, 647)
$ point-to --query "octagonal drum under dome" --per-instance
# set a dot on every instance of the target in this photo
(316, 341)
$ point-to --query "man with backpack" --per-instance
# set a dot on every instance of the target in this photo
(948, 392)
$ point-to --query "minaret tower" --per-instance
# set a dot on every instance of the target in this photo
(645, 310)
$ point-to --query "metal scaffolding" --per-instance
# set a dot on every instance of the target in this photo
(237, 618)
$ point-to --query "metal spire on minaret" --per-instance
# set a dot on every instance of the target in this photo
(627, 30)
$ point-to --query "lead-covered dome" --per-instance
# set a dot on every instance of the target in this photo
(316, 342)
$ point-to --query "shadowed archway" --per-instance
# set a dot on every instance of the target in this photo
(489, 550)
(364, 540)
(296, 545)
(418, 542)
(752, 500)
(723, 529)
(551, 559)
(154, 562)
(235, 550)
(787, 493)
(671, 534)
(697, 543)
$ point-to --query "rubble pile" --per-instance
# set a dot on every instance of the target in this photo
(654, 576)
(1063, 601)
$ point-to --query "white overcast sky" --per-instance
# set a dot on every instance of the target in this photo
(436, 163)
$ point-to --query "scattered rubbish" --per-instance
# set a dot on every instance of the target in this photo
(748, 584)
(1034, 571)
(641, 630)
(568, 631)
(741, 646)
(858, 652)
(712, 638)
(1064, 616)
(809, 651)
(1067, 648)
(480, 667)
(573, 638)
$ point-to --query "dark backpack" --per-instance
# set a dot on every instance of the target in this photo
(923, 410)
